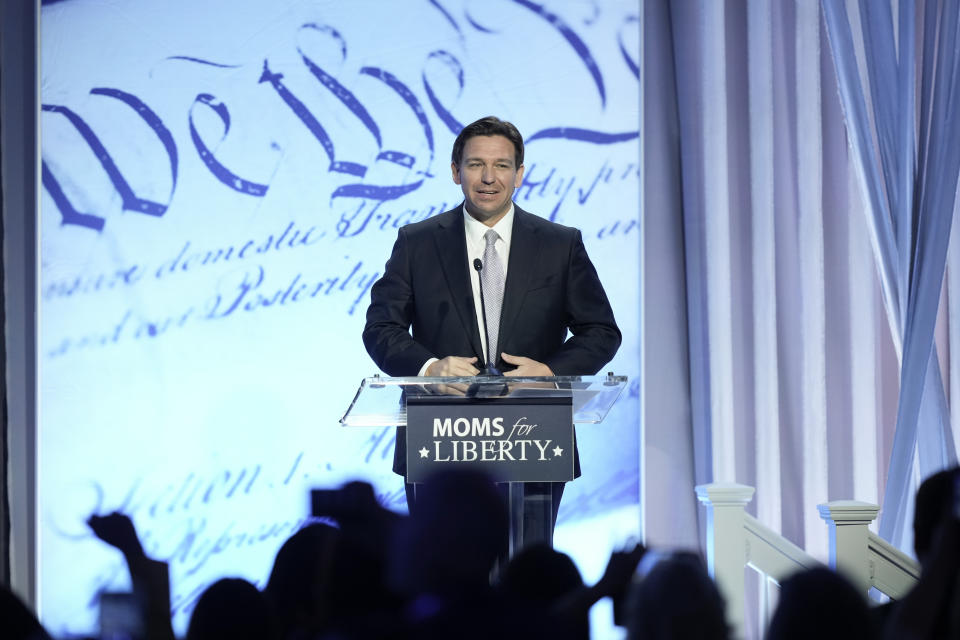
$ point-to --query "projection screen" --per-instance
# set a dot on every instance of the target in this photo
(222, 183)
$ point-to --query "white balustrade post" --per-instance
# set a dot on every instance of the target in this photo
(847, 521)
(726, 544)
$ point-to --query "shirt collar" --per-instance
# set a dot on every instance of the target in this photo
(476, 229)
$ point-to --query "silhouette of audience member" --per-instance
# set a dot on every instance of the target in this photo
(676, 599)
(932, 608)
(150, 578)
(540, 578)
(450, 545)
(540, 575)
(374, 574)
(442, 560)
(302, 580)
(331, 580)
(549, 581)
(232, 609)
(360, 602)
(361, 561)
(17, 622)
(820, 603)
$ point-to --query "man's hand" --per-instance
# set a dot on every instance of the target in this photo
(453, 366)
(526, 367)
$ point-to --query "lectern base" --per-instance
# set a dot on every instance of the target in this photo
(533, 510)
(532, 507)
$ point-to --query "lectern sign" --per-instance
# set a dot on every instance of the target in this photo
(511, 439)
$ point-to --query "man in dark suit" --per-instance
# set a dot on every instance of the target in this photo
(547, 284)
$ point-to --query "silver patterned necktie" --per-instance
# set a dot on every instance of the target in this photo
(491, 279)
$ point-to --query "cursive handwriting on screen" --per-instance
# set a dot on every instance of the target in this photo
(212, 229)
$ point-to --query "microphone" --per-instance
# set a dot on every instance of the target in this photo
(488, 369)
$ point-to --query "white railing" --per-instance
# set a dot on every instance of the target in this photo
(868, 560)
(892, 572)
(735, 540)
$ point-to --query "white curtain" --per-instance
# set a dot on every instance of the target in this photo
(908, 168)
(788, 362)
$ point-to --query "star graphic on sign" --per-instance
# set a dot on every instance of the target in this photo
(424, 453)
(557, 452)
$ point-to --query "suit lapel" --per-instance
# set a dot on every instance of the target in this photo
(524, 255)
(451, 243)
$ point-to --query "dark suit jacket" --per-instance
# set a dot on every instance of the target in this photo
(551, 287)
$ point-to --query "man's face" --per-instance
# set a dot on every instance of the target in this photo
(488, 175)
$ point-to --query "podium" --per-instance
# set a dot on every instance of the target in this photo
(517, 430)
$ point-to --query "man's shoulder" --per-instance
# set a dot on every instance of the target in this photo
(441, 220)
(538, 224)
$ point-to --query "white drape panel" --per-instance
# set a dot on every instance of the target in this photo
(766, 400)
(716, 187)
(908, 171)
(953, 305)
(793, 373)
(669, 506)
(864, 328)
(811, 257)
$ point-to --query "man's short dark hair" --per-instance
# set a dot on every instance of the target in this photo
(489, 126)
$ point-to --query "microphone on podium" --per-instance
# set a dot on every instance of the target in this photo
(488, 368)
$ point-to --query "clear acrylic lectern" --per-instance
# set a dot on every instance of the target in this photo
(518, 430)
